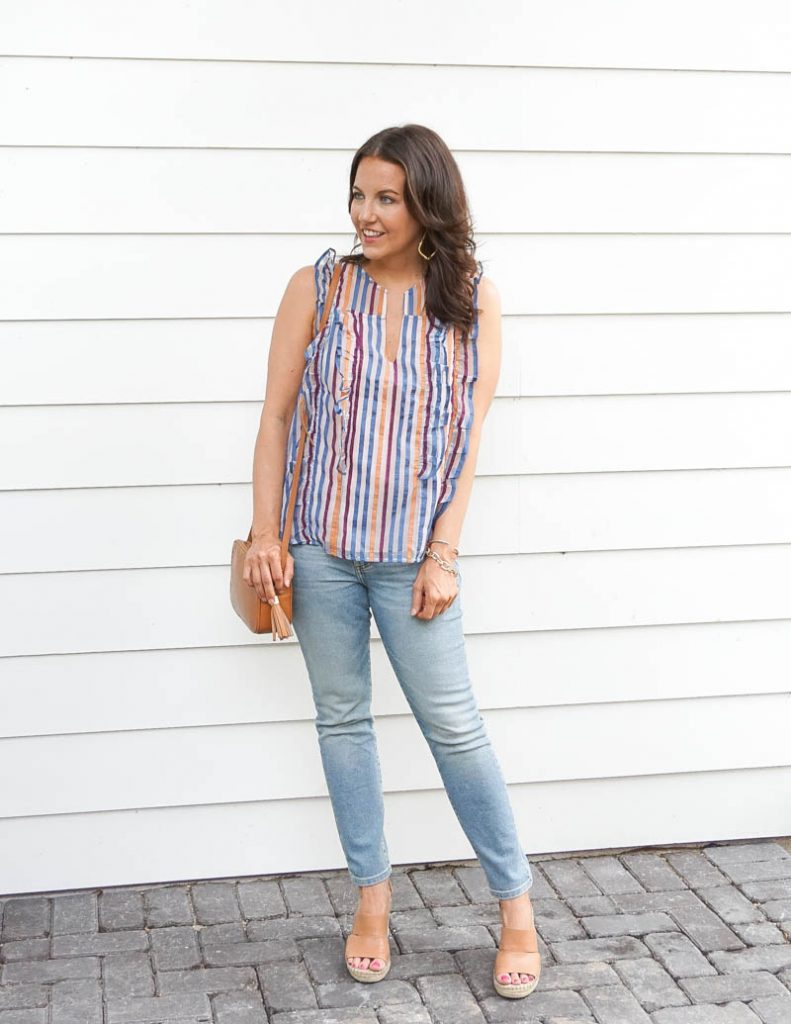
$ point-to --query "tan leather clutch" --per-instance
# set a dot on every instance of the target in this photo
(260, 616)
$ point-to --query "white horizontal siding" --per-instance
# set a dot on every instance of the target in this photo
(76, 102)
(289, 191)
(176, 843)
(237, 763)
(751, 35)
(141, 609)
(153, 527)
(127, 361)
(206, 686)
(630, 201)
(133, 276)
(122, 445)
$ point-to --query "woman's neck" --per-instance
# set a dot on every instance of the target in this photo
(394, 272)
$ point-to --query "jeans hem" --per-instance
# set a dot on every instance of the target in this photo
(371, 879)
(507, 894)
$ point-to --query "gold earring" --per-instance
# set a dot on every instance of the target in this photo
(420, 248)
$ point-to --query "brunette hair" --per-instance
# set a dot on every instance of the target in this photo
(435, 196)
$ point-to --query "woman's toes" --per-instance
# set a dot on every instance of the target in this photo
(516, 979)
(365, 963)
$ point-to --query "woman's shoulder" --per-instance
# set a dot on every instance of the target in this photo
(301, 287)
(326, 261)
(487, 289)
(482, 283)
(310, 278)
(486, 294)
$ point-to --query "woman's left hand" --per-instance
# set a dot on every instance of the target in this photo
(434, 590)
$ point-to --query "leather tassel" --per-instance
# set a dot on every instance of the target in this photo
(281, 627)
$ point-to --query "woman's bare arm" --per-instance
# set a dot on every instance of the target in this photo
(291, 334)
(434, 589)
(489, 347)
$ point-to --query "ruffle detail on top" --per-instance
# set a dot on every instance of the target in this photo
(385, 439)
(322, 273)
(466, 378)
(465, 374)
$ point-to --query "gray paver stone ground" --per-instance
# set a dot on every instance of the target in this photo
(352, 993)
(130, 974)
(727, 988)
(681, 935)
(401, 1013)
(615, 1004)
(337, 1016)
(570, 879)
(650, 983)
(774, 1010)
(449, 999)
(78, 912)
(438, 888)
(29, 1016)
(765, 934)
(287, 986)
(538, 1005)
(261, 899)
(131, 1011)
(239, 1008)
(678, 955)
(610, 875)
(730, 1013)
(741, 853)
(121, 909)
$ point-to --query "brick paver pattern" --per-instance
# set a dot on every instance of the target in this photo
(677, 935)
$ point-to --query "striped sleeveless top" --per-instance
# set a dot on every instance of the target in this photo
(386, 439)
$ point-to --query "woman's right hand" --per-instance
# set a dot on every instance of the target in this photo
(263, 568)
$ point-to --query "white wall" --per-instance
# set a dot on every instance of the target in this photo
(628, 610)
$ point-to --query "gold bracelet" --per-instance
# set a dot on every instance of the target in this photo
(440, 560)
(455, 550)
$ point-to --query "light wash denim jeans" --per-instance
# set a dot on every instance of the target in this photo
(332, 605)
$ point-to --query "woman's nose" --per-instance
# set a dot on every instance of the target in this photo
(366, 214)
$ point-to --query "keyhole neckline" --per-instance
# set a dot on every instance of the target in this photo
(419, 284)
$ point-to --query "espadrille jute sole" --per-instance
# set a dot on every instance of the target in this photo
(366, 974)
(515, 990)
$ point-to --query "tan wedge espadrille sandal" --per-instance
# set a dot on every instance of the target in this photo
(517, 954)
(368, 938)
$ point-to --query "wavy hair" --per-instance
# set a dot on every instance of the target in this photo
(436, 198)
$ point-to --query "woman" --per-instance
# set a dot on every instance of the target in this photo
(396, 386)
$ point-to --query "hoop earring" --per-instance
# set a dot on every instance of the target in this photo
(420, 249)
(356, 241)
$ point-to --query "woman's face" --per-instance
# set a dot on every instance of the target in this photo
(379, 206)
